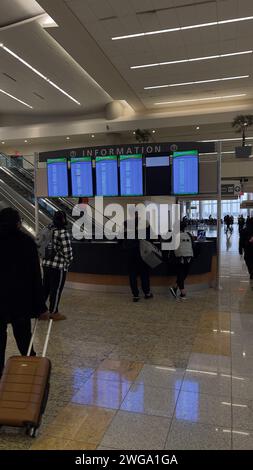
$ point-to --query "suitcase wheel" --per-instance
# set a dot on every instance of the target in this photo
(32, 431)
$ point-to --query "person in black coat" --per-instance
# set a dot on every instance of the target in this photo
(136, 265)
(246, 245)
(20, 282)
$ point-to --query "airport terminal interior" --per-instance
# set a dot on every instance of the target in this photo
(106, 105)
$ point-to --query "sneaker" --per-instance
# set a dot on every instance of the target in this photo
(136, 299)
(183, 297)
(44, 316)
(57, 316)
(149, 296)
(173, 291)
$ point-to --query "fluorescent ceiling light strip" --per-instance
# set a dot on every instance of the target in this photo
(236, 432)
(201, 372)
(223, 153)
(225, 140)
(6, 49)
(196, 59)
(234, 404)
(182, 28)
(16, 99)
(201, 99)
(199, 82)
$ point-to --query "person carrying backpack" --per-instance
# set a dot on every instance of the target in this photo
(136, 265)
(56, 252)
(183, 259)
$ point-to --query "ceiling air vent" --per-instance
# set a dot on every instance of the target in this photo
(9, 76)
(38, 95)
(187, 4)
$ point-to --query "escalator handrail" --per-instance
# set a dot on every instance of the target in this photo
(14, 202)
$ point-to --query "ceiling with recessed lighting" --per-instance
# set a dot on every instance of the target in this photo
(174, 62)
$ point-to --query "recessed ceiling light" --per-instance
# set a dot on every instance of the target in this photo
(6, 49)
(67, 138)
(198, 82)
(201, 99)
(183, 28)
(92, 135)
(15, 98)
(195, 59)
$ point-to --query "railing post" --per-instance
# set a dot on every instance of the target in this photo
(36, 203)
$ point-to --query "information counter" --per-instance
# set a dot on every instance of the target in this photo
(102, 265)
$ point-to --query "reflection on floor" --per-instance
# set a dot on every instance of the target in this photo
(153, 375)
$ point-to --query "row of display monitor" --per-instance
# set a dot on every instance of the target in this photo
(126, 175)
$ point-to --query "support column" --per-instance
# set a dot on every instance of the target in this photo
(201, 209)
(218, 273)
(188, 209)
(36, 202)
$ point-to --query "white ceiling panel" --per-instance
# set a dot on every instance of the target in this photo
(16, 10)
(36, 47)
(80, 56)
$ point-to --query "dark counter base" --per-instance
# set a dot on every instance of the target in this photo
(109, 258)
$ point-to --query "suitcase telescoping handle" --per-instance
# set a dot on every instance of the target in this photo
(46, 340)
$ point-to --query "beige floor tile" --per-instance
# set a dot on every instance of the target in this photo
(127, 369)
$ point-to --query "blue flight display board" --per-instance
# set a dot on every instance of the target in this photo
(81, 177)
(131, 175)
(107, 176)
(57, 177)
(185, 173)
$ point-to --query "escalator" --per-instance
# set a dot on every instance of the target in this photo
(21, 182)
(10, 198)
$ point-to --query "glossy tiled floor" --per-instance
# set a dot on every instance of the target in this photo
(153, 375)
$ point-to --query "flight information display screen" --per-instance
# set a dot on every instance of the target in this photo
(81, 177)
(185, 173)
(57, 177)
(131, 175)
(107, 176)
(158, 176)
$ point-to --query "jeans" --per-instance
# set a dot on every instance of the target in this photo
(22, 333)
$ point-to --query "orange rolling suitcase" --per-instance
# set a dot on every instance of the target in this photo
(24, 388)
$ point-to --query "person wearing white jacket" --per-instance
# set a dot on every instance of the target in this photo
(184, 256)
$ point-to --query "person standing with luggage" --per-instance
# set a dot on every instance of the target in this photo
(22, 295)
(56, 262)
(183, 259)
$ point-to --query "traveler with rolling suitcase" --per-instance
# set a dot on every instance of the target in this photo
(21, 285)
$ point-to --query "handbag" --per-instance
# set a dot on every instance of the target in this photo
(150, 254)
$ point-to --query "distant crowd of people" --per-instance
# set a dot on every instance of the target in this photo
(194, 222)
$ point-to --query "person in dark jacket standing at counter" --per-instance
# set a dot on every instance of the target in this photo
(136, 265)
(21, 284)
